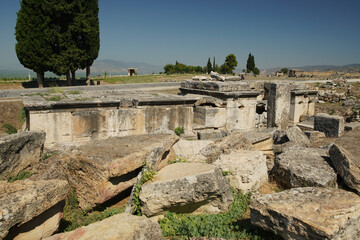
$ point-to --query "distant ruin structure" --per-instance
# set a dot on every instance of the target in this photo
(132, 71)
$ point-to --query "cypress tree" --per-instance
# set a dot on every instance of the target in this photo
(250, 64)
(76, 26)
(91, 34)
(32, 48)
(208, 66)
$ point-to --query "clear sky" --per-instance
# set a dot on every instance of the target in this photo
(277, 32)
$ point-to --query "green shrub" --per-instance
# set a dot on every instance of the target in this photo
(223, 225)
(22, 115)
(10, 129)
(49, 154)
(54, 98)
(147, 174)
(177, 160)
(74, 217)
(21, 176)
(179, 131)
(74, 92)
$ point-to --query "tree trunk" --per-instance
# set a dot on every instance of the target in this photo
(40, 79)
(73, 76)
(68, 79)
(88, 75)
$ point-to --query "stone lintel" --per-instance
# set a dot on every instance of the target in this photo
(222, 95)
(123, 103)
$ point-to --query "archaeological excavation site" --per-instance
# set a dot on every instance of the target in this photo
(221, 158)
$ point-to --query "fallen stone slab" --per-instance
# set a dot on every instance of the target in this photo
(245, 170)
(190, 150)
(234, 141)
(186, 188)
(19, 151)
(122, 226)
(347, 165)
(308, 213)
(315, 136)
(298, 137)
(102, 169)
(31, 209)
(332, 126)
(211, 134)
(303, 168)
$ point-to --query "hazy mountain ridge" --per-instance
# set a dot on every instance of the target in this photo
(114, 67)
(349, 68)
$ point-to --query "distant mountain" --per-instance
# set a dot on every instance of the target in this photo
(350, 68)
(112, 67)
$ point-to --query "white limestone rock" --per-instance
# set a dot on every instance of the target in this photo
(186, 188)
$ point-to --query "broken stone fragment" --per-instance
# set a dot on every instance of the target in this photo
(347, 166)
(245, 170)
(303, 168)
(31, 209)
(308, 213)
(122, 226)
(19, 151)
(190, 150)
(332, 126)
(186, 188)
(234, 141)
(102, 169)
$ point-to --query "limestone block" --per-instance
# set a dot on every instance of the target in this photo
(246, 170)
(211, 134)
(298, 137)
(332, 126)
(26, 205)
(314, 136)
(232, 142)
(308, 213)
(278, 105)
(102, 169)
(186, 188)
(303, 168)
(19, 151)
(56, 125)
(241, 114)
(158, 119)
(122, 226)
(347, 166)
(190, 150)
(210, 117)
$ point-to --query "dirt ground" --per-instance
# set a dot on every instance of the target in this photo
(10, 114)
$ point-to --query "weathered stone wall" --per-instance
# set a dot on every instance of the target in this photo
(302, 104)
(76, 125)
(241, 114)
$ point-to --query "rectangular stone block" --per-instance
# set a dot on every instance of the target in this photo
(210, 117)
(332, 126)
(278, 105)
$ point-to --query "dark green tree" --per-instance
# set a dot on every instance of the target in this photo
(256, 71)
(32, 48)
(284, 70)
(230, 63)
(77, 43)
(208, 66)
(250, 64)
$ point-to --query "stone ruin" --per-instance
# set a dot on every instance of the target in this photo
(237, 125)
(219, 104)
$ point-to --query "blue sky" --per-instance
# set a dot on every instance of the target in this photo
(277, 32)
